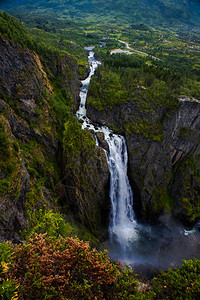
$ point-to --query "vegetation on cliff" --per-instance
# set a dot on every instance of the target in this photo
(143, 100)
(39, 94)
(122, 79)
(41, 41)
(47, 161)
(87, 177)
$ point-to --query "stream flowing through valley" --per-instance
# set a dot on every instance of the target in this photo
(130, 241)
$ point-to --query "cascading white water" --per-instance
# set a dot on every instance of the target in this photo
(129, 241)
(93, 63)
(122, 224)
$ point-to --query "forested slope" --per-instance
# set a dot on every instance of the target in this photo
(39, 94)
(175, 14)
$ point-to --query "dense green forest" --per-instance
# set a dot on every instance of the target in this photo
(161, 13)
(49, 261)
(149, 84)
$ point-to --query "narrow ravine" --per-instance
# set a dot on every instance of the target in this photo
(130, 241)
(122, 226)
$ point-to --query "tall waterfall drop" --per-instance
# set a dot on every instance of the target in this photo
(122, 226)
(130, 241)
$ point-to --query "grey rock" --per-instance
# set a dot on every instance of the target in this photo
(102, 141)
(155, 166)
(87, 190)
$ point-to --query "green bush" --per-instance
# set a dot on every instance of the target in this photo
(5, 255)
(181, 283)
(77, 141)
(46, 221)
(8, 289)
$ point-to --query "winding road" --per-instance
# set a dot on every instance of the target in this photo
(131, 51)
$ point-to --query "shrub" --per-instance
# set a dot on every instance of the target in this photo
(8, 289)
(46, 221)
(49, 268)
(5, 253)
(182, 283)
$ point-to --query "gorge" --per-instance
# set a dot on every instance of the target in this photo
(131, 241)
(122, 221)
(99, 157)
(155, 167)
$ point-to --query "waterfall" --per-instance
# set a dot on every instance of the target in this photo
(129, 241)
(122, 226)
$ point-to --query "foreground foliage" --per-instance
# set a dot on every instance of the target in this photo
(67, 268)
(49, 268)
(182, 283)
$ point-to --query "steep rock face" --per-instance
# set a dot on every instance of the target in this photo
(164, 168)
(18, 71)
(87, 190)
(32, 120)
(185, 158)
(12, 211)
(23, 82)
(65, 68)
(27, 132)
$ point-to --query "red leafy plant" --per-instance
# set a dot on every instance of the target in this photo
(67, 268)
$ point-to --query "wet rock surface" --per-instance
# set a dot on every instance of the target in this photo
(160, 168)
(146, 270)
(102, 141)
(87, 189)
(175, 250)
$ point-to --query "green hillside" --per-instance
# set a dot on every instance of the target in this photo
(54, 181)
(176, 14)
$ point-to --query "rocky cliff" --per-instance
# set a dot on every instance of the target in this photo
(87, 190)
(26, 125)
(37, 96)
(164, 157)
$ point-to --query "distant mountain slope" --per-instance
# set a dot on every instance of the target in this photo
(163, 13)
